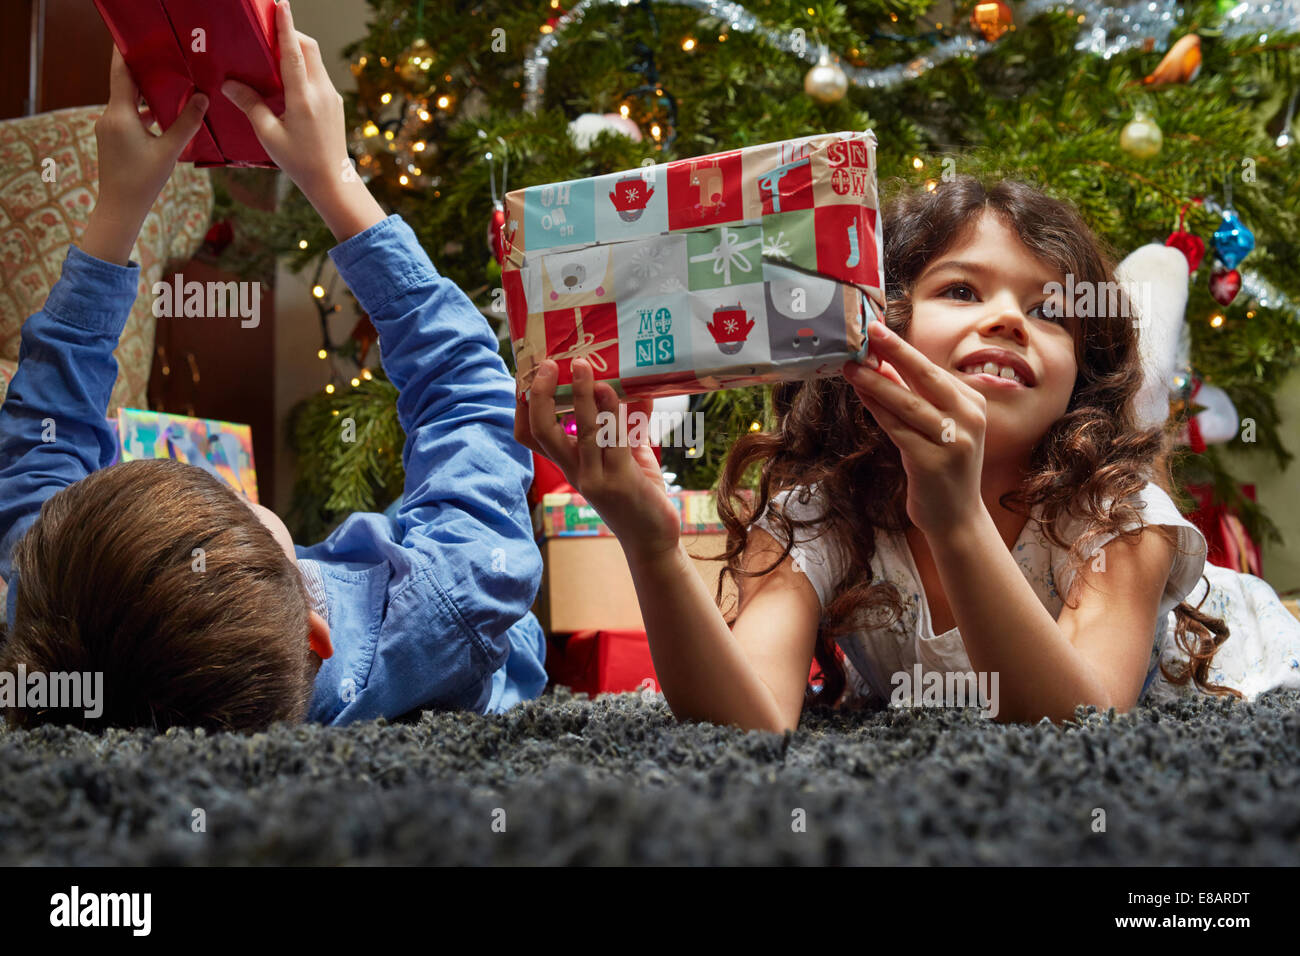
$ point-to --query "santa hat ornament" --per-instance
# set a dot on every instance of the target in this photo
(1163, 348)
(1191, 246)
(1163, 271)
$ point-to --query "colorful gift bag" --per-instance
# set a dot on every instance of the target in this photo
(757, 265)
(223, 449)
(566, 514)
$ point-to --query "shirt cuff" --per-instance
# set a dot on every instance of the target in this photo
(94, 294)
(382, 263)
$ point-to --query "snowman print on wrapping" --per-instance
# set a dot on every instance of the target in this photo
(805, 314)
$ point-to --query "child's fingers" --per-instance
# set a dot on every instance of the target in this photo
(523, 428)
(590, 462)
(122, 89)
(187, 124)
(645, 407)
(293, 66)
(619, 457)
(891, 373)
(316, 72)
(262, 117)
(904, 437)
(543, 425)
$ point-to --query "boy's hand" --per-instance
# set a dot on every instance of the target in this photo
(134, 165)
(309, 142)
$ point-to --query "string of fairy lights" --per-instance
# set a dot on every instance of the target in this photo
(405, 101)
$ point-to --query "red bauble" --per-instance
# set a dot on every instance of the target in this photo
(495, 241)
(1224, 284)
(1193, 247)
(219, 236)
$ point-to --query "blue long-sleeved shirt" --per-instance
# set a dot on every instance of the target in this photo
(428, 604)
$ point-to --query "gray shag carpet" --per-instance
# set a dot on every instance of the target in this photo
(615, 780)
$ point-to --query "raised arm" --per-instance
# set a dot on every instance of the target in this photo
(464, 566)
(751, 675)
(53, 429)
(467, 567)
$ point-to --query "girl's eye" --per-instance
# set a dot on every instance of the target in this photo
(1051, 311)
(959, 285)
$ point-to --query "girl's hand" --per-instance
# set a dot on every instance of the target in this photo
(937, 422)
(623, 483)
(134, 164)
(309, 142)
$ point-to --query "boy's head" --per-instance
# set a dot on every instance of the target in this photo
(188, 600)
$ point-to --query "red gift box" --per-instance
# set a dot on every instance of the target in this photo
(608, 662)
(602, 662)
(1227, 542)
(174, 47)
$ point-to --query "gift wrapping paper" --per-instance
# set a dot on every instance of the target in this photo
(173, 47)
(757, 265)
(223, 449)
(568, 515)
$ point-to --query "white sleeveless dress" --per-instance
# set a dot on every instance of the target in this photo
(1262, 653)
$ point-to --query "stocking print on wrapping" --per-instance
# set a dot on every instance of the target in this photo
(757, 265)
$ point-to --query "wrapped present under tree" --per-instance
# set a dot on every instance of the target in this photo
(751, 266)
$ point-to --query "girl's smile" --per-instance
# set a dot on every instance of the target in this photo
(981, 312)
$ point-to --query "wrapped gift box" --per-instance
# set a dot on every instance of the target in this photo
(174, 47)
(602, 662)
(567, 514)
(587, 585)
(223, 449)
(608, 662)
(756, 265)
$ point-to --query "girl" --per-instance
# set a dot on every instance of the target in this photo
(975, 499)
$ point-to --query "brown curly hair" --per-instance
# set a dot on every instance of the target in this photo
(825, 436)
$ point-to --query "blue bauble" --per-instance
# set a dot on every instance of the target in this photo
(1232, 240)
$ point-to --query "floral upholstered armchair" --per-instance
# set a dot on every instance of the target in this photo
(49, 179)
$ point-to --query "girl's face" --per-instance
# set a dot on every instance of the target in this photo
(988, 293)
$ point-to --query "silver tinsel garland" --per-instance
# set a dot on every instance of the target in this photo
(1105, 31)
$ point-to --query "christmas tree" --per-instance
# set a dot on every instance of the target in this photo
(1136, 114)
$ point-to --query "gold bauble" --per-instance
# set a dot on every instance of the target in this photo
(1141, 137)
(416, 61)
(826, 82)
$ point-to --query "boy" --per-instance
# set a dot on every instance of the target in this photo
(426, 608)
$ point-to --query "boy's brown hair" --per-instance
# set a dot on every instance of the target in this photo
(159, 576)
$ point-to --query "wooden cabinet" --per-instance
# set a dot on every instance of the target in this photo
(53, 54)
